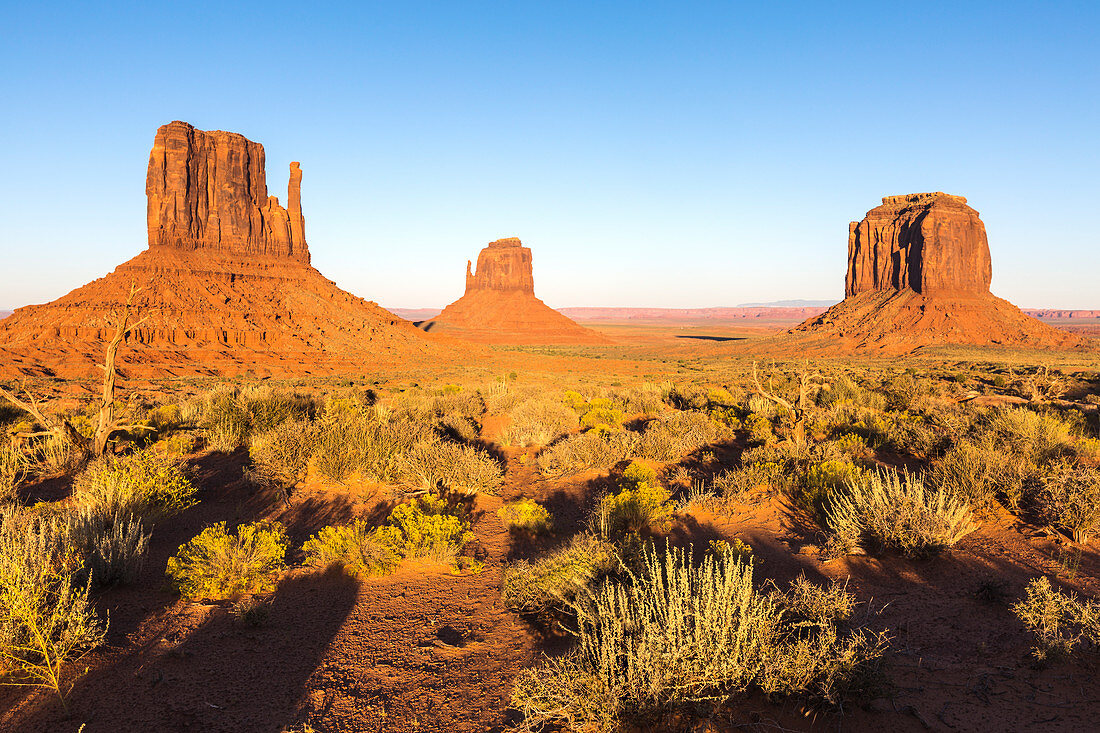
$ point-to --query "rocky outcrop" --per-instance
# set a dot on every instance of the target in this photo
(208, 191)
(918, 275)
(499, 305)
(225, 285)
(925, 242)
(503, 267)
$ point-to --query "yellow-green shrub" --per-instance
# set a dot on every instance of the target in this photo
(147, 484)
(217, 565)
(640, 505)
(526, 515)
(427, 528)
(551, 581)
(602, 418)
(359, 549)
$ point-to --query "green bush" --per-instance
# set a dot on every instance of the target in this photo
(821, 480)
(357, 548)
(427, 528)
(552, 581)
(1036, 435)
(983, 473)
(1069, 498)
(147, 485)
(810, 602)
(639, 506)
(602, 418)
(676, 634)
(232, 416)
(217, 565)
(885, 510)
(526, 515)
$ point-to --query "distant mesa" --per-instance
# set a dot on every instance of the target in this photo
(918, 275)
(226, 282)
(499, 305)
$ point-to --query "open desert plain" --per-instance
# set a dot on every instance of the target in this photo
(515, 410)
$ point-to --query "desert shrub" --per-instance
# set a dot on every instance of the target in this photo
(217, 565)
(538, 422)
(231, 416)
(759, 429)
(354, 439)
(53, 455)
(814, 603)
(1069, 498)
(427, 527)
(13, 467)
(602, 418)
(671, 436)
(981, 472)
(450, 468)
(358, 548)
(526, 515)
(46, 620)
(639, 506)
(552, 581)
(884, 509)
(738, 482)
(111, 544)
(677, 633)
(280, 456)
(460, 428)
(686, 397)
(1040, 436)
(821, 480)
(587, 451)
(147, 485)
(1058, 621)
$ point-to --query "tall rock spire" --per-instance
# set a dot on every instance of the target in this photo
(208, 190)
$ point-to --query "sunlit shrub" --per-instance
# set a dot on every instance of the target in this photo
(426, 527)
(671, 436)
(587, 451)
(148, 485)
(450, 468)
(550, 582)
(640, 506)
(1058, 621)
(281, 456)
(358, 548)
(538, 422)
(526, 515)
(884, 509)
(217, 565)
(602, 418)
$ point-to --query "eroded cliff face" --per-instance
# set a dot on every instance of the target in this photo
(504, 267)
(925, 242)
(208, 191)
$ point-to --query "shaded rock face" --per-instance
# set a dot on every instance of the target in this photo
(925, 242)
(208, 191)
(504, 266)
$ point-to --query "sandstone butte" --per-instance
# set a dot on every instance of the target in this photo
(226, 282)
(918, 275)
(499, 305)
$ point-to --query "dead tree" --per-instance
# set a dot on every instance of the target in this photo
(809, 385)
(107, 422)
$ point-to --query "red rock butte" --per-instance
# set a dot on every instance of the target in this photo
(226, 284)
(918, 275)
(499, 305)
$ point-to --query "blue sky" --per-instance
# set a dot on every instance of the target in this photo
(652, 154)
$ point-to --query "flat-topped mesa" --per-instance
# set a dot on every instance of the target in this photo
(208, 191)
(503, 266)
(929, 243)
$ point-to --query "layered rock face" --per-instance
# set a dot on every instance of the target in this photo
(499, 305)
(926, 242)
(918, 275)
(226, 284)
(208, 190)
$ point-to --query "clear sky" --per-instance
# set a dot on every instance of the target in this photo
(676, 154)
